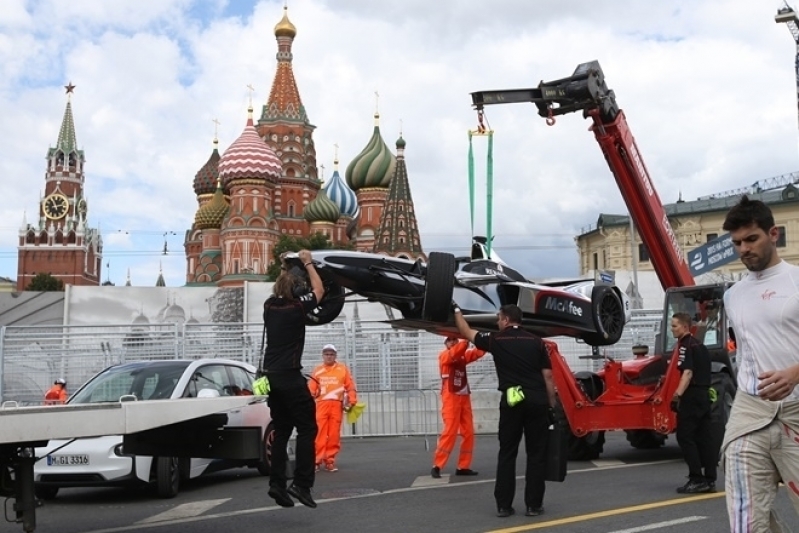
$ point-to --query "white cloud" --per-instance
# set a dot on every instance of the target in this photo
(708, 90)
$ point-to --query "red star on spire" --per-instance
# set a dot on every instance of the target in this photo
(69, 88)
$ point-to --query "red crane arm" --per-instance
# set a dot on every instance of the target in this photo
(586, 91)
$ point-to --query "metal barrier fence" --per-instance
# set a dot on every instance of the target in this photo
(396, 371)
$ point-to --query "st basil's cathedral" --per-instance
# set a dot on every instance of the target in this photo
(266, 184)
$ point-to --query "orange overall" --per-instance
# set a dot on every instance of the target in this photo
(334, 389)
(456, 404)
(56, 395)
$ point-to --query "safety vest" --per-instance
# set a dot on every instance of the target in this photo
(332, 383)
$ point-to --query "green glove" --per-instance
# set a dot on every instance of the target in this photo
(713, 394)
(514, 395)
(260, 387)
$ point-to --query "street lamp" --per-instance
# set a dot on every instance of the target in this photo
(786, 15)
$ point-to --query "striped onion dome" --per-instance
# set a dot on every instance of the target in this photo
(211, 215)
(374, 166)
(249, 157)
(340, 193)
(206, 178)
(322, 209)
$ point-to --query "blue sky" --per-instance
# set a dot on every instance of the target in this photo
(708, 89)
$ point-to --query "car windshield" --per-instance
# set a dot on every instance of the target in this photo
(145, 381)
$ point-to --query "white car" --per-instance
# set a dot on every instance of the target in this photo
(100, 461)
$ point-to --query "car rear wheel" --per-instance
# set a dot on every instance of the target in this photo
(45, 493)
(608, 315)
(329, 308)
(265, 466)
(438, 287)
(167, 477)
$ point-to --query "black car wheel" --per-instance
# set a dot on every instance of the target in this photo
(438, 287)
(167, 476)
(44, 492)
(329, 308)
(608, 316)
(265, 466)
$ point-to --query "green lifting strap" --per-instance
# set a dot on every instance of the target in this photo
(489, 187)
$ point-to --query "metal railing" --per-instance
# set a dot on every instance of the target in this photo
(396, 371)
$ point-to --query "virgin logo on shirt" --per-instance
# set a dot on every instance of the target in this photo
(768, 294)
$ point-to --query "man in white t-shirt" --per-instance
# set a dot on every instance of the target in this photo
(761, 442)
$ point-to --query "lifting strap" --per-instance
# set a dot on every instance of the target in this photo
(483, 131)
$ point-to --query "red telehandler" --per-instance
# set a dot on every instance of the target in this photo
(630, 395)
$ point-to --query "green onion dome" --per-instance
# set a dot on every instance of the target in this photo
(322, 209)
(374, 166)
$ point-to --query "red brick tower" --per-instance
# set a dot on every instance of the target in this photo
(60, 242)
(285, 127)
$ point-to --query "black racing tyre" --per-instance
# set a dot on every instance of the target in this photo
(329, 308)
(45, 492)
(438, 287)
(265, 466)
(167, 476)
(607, 312)
(586, 448)
(645, 439)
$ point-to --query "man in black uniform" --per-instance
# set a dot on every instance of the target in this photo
(692, 403)
(521, 360)
(290, 400)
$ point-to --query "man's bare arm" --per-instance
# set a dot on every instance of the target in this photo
(549, 381)
(463, 327)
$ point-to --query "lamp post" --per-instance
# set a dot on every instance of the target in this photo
(786, 15)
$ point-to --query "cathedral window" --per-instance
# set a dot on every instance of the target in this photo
(235, 266)
(291, 209)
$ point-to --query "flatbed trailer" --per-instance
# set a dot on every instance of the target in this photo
(180, 428)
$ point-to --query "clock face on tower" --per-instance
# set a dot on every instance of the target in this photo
(55, 206)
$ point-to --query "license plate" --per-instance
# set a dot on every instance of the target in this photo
(67, 460)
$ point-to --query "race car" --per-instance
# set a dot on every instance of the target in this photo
(423, 292)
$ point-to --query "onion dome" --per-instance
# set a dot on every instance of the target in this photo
(211, 215)
(374, 166)
(249, 157)
(400, 142)
(206, 178)
(175, 314)
(341, 195)
(322, 209)
(285, 28)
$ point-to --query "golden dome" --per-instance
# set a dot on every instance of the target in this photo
(285, 28)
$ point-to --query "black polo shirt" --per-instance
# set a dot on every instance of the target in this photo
(284, 321)
(695, 357)
(519, 357)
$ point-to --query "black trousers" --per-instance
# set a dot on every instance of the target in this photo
(291, 406)
(531, 420)
(695, 435)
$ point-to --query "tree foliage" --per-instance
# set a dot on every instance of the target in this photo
(45, 283)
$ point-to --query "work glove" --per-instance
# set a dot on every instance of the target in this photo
(455, 307)
(675, 403)
(551, 416)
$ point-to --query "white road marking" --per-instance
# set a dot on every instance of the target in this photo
(429, 481)
(658, 525)
(604, 463)
(185, 510)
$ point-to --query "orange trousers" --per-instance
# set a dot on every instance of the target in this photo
(456, 410)
(328, 438)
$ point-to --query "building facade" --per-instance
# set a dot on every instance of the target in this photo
(609, 246)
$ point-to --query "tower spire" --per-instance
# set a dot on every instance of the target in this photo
(66, 135)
